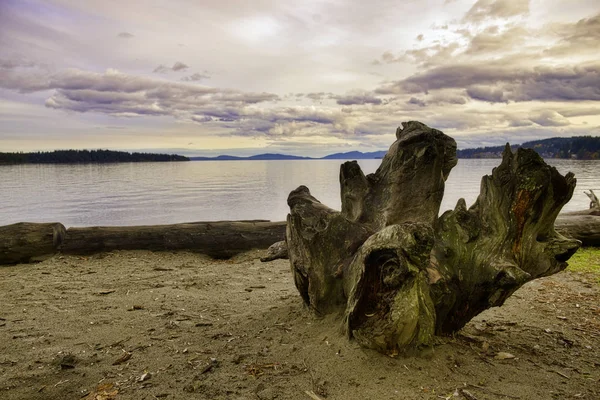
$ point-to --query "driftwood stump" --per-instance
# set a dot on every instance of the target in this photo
(397, 273)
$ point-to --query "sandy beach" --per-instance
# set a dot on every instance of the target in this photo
(144, 325)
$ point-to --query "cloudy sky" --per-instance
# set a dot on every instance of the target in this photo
(306, 77)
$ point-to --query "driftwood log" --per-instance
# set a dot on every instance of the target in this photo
(221, 239)
(583, 225)
(397, 273)
(25, 242)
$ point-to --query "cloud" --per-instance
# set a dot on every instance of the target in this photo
(318, 96)
(125, 35)
(161, 69)
(486, 93)
(578, 38)
(491, 40)
(360, 97)
(415, 101)
(549, 118)
(196, 77)
(490, 9)
(499, 82)
(178, 66)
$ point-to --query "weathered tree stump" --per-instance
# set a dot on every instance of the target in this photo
(27, 241)
(396, 272)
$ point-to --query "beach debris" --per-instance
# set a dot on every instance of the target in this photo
(136, 307)
(257, 370)
(124, 357)
(213, 363)
(466, 394)
(485, 347)
(561, 374)
(66, 361)
(104, 391)
(144, 377)
(105, 292)
(504, 356)
(312, 395)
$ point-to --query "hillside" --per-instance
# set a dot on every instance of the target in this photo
(84, 156)
(352, 155)
(578, 147)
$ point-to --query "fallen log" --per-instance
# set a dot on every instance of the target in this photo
(397, 272)
(221, 239)
(28, 242)
(585, 228)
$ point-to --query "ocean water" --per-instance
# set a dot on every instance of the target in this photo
(165, 193)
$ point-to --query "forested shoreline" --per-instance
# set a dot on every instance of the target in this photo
(84, 157)
(577, 147)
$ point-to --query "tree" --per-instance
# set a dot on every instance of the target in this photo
(396, 272)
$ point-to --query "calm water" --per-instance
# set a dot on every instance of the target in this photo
(163, 193)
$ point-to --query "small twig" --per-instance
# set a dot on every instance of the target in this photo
(561, 374)
(312, 395)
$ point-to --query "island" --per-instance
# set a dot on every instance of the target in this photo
(84, 157)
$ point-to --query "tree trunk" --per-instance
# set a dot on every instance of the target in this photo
(399, 274)
(222, 239)
(27, 242)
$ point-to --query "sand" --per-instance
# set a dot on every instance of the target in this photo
(143, 325)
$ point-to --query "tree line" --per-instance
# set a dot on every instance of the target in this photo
(577, 147)
(84, 156)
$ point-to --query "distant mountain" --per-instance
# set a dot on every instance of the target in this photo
(577, 147)
(266, 156)
(355, 155)
(84, 156)
(352, 155)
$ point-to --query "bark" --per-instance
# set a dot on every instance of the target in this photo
(397, 273)
(222, 239)
(28, 242)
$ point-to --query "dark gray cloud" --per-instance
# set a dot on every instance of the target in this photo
(486, 93)
(415, 101)
(499, 83)
(125, 35)
(489, 9)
